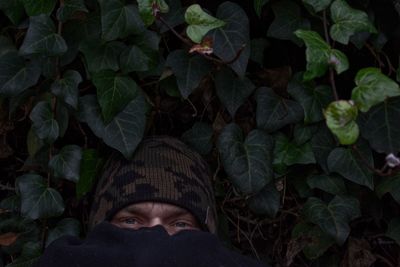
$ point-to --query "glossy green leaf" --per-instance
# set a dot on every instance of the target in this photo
(229, 40)
(258, 5)
(329, 183)
(389, 185)
(119, 20)
(318, 5)
(341, 120)
(30, 254)
(287, 20)
(38, 200)
(67, 226)
(372, 88)
(231, 90)
(274, 112)
(322, 144)
(149, 8)
(66, 164)
(393, 230)
(67, 88)
(247, 161)
(333, 218)
(199, 23)
(199, 137)
(320, 56)
(348, 21)
(189, 70)
(267, 201)
(42, 39)
(102, 56)
(70, 8)
(90, 165)
(43, 122)
(114, 92)
(289, 153)
(14, 10)
(37, 7)
(89, 111)
(348, 163)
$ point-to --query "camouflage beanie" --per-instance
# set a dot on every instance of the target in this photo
(163, 169)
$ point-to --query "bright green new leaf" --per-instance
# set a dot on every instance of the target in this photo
(14, 10)
(393, 230)
(320, 56)
(69, 8)
(200, 23)
(66, 164)
(67, 226)
(341, 120)
(348, 21)
(258, 5)
(267, 201)
(389, 185)
(149, 8)
(289, 153)
(199, 137)
(67, 88)
(318, 5)
(37, 7)
(372, 88)
(42, 39)
(43, 122)
(329, 183)
(89, 111)
(90, 165)
(335, 217)
(38, 200)
(247, 161)
(114, 92)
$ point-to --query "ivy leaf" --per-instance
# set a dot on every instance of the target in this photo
(199, 137)
(89, 111)
(149, 8)
(320, 56)
(229, 40)
(38, 200)
(267, 201)
(318, 5)
(349, 164)
(390, 185)
(247, 161)
(328, 183)
(348, 21)
(200, 22)
(37, 7)
(288, 153)
(16, 75)
(258, 5)
(341, 120)
(118, 20)
(372, 88)
(322, 144)
(69, 8)
(42, 38)
(274, 112)
(67, 88)
(393, 230)
(335, 217)
(189, 70)
(66, 164)
(232, 91)
(67, 226)
(90, 165)
(44, 123)
(31, 252)
(14, 10)
(287, 20)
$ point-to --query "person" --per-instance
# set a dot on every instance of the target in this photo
(157, 209)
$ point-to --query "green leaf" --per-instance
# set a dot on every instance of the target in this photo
(274, 112)
(328, 183)
(258, 5)
(189, 70)
(335, 217)
(348, 21)
(341, 120)
(89, 111)
(37, 7)
(200, 23)
(231, 90)
(114, 92)
(320, 56)
(267, 201)
(288, 153)
(322, 144)
(318, 5)
(38, 200)
(69, 8)
(287, 20)
(90, 165)
(118, 20)
(390, 185)
(148, 8)
(42, 38)
(372, 88)
(66, 164)
(67, 88)
(199, 137)
(31, 252)
(43, 122)
(229, 40)
(349, 164)
(16, 75)
(67, 226)
(14, 10)
(393, 230)
(247, 161)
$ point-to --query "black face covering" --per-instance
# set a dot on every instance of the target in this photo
(108, 245)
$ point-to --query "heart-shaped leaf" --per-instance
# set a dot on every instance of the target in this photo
(38, 200)
(199, 137)
(89, 111)
(247, 161)
(102, 56)
(232, 91)
(43, 122)
(200, 23)
(69, 8)
(148, 9)
(14, 10)
(37, 7)
(42, 38)
(267, 201)
(318, 5)
(66, 164)
(274, 112)
(328, 183)
(341, 120)
(289, 153)
(67, 88)
(373, 87)
(67, 226)
(348, 21)
(335, 217)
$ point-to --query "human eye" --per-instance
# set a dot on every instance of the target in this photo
(181, 224)
(130, 220)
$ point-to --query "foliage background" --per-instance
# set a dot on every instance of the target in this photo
(294, 103)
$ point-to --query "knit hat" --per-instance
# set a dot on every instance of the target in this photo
(163, 169)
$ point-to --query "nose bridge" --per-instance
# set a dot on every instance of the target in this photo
(155, 221)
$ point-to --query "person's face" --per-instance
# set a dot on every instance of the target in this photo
(149, 214)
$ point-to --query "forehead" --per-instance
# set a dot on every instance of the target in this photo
(154, 208)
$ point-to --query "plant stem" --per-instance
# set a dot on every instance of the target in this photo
(331, 70)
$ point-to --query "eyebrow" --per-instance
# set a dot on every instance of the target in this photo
(174, 211)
